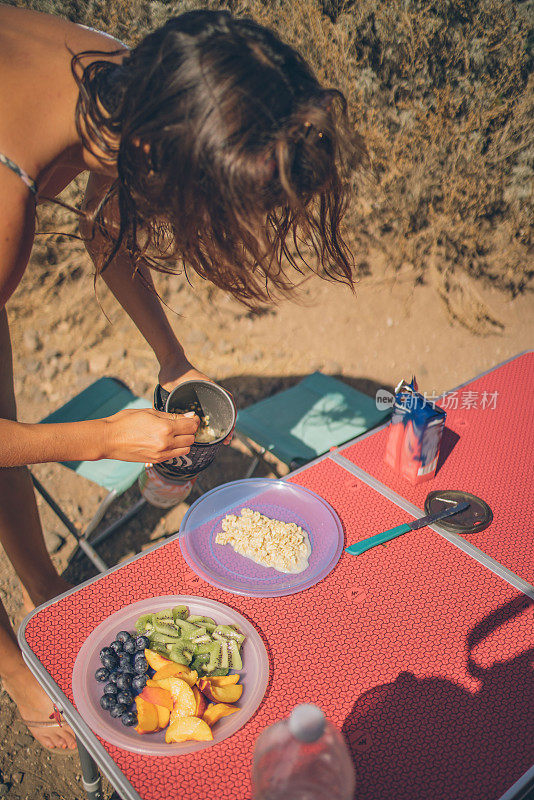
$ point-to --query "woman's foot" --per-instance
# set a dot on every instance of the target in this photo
(34, 704)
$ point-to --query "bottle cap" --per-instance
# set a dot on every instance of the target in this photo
(307, 722)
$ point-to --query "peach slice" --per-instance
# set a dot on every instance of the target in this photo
(164, 716)
(186, 728)
(190, 677)
(147, 716)
(170, 670)
(155, 660)
(223, 680)
(158, 696)
(215, 712)
(220, 694)
(184, 703)
(200, 701)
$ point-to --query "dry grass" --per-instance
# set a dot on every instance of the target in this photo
(443, 93)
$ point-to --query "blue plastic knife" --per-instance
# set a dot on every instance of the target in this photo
(381, 538)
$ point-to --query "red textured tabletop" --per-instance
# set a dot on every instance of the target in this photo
(488, 450)
(419, 653)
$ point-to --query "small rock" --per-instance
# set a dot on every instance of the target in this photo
(118, 354)
(31, 340)
(81, 367)
(4, 789)
(31, 364)
(25, 740)
(53, 541)
(332, 368)
(389, 322)
(17, 777)
(252, 357)
(50, 371)
(98, 362)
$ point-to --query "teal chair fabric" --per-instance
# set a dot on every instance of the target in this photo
(305, 421)
(104, 397)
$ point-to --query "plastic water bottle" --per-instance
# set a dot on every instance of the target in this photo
(302, 758)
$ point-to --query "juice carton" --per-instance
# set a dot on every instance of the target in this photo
(415, 433)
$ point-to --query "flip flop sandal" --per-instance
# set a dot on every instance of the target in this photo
(54, 721)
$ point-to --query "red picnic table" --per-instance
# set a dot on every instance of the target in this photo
(421, 650)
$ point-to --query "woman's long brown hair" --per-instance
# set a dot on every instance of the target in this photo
(230, 155)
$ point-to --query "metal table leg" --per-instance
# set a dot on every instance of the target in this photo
(91, 779)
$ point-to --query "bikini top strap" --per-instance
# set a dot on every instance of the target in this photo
(30, 183)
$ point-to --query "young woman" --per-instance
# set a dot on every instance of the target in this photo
(211, 145)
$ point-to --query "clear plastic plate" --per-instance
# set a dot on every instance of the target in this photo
(221, 566)
(87, 690)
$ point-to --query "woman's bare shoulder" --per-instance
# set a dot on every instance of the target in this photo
(43, 27)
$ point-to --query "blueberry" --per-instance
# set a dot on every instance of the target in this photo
(125, 697)
(110, 688)
(129, 646)
(107, 702)
(124, 682)
(109, 661)
(125, 659)
(116, 646)
(102, 674)
(113, 676)
(139, 683)
(117, 710)
(129, 718)
(141, 643)
(123, 636)
(140, 665)
(106, 651)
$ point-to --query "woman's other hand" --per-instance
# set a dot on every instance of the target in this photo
(172, 374)
(147, 435)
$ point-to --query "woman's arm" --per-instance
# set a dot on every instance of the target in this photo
(136, 294)
(139, 435)
(132, 435)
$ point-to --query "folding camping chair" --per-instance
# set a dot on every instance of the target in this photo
(102, 398)
(307, 420)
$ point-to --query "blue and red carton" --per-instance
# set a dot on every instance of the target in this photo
(415, 433)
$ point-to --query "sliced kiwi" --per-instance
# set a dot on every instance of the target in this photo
(199, 662)
(189, 630)
(205, 622)
(179, 612)
(181, 649)
(143, 622)
(223, 661)
(213, 649)
(234, 656)
(193, 640)
(166, 614)
(228, 632)
(202, 639)
(163, 638)
(167, 628)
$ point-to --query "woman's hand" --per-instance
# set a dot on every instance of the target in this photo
(147, 435)
(172, 374)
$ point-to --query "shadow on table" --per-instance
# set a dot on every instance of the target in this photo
(231, 464)
(431, 738)
(449, 440)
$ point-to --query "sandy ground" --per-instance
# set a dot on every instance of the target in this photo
(390, 329)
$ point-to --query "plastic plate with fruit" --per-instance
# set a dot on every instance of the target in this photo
(170, 675)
